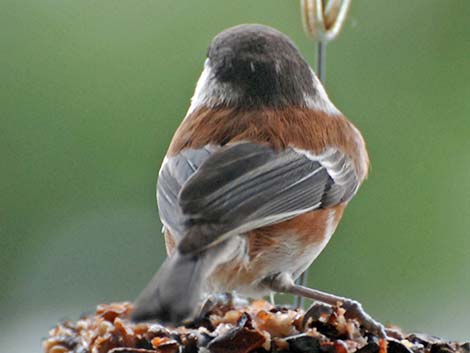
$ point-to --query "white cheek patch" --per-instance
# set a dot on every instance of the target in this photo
(201, 92)
(320, 101)
(209, 92)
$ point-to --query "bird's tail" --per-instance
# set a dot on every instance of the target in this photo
(174, 293)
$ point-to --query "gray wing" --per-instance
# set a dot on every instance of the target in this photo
(173, 175)
(209, 194)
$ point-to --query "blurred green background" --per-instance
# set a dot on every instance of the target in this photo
(92, 91)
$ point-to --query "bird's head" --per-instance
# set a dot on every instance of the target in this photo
(254, 66)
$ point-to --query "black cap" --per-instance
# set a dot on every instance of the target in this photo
(262, 65)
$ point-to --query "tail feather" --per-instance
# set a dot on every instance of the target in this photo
(174, 293)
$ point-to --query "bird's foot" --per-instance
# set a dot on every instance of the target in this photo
(283, 282)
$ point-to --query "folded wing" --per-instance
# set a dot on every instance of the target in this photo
(206, 195)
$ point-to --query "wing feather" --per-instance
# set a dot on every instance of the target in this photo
(206, 195)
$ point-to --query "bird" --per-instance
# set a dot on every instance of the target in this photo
(255, 180)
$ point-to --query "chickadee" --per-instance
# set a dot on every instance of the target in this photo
(255, 180)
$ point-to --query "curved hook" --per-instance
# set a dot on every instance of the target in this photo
(324, 24)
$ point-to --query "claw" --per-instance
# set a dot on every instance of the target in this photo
(354, 309)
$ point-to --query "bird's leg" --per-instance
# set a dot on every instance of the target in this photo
(283, 282)
(299, 301)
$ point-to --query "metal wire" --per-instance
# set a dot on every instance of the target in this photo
(320, 68)
(322, 24)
